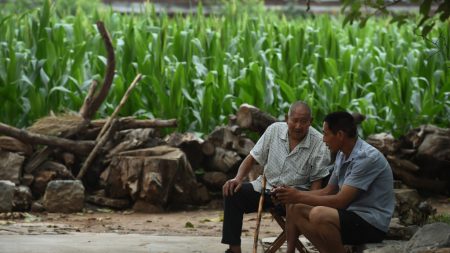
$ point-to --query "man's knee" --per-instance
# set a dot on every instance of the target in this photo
(321, 214)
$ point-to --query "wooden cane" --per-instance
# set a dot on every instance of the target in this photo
(258, 217)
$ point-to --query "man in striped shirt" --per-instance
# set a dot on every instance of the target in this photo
(292, 154)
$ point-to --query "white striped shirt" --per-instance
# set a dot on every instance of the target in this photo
(306, 163)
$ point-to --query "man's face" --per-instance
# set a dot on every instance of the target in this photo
(298, 123)
(331, 140)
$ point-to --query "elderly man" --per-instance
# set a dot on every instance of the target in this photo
(357, 204)
(292, 154)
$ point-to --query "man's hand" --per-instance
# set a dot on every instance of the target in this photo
(286, 194)
(231, 186)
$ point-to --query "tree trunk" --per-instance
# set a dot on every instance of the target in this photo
(250, 117)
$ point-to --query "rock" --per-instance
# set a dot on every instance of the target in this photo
(41, 179)
(429, 237)
(387, 246)
(64, 196)
(409, 208)
(37, 207)
(27, 180)
(6, 195)
(10, 166)
(214, 180)
(22, 198)
(398, 231)
(145, 207)
(108, 202)
(201, 195)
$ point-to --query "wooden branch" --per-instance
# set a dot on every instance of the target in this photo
(94, 151)
(121, 104)
(78, 147)
(89, 110)
(107, 129)
(88, 100)
(132, 123)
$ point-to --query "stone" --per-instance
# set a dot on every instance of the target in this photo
(27, 180)
(214, 180)
(397, 231)
(37, 207)
(108, 202)
(10, 166)
(65, 196)
(145, 207)
(6, 195)
(429, 237)
(387, 246)
(22, 198)
(409, 207)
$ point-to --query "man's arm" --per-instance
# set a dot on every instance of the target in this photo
(316, 185)
(323, 197)
(233, 185)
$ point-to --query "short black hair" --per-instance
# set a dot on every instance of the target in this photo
(341, 121)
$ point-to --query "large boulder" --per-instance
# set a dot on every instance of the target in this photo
(6, 195)
(64, 196)
(430, 237)
(10, 166)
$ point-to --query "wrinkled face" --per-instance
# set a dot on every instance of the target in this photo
(298, 123)
(331, 140)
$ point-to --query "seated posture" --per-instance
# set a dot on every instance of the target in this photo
(357, 204)
(291, 152)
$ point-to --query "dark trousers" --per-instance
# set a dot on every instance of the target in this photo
(246, 200)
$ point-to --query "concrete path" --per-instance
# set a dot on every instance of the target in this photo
(110, 242)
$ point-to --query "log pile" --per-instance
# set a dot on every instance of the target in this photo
(420, 159)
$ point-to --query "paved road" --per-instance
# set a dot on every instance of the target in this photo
(111, 243)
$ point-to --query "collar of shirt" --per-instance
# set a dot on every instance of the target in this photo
(305, 143)
(357, 152)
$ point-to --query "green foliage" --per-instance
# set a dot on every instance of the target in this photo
(201, 69)
(362, 10)
(444, 217)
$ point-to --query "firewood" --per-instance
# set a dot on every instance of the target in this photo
(78, 147)
(250, 117)
(132, 123)
(402, 163)
(12, 144)
(420, 183)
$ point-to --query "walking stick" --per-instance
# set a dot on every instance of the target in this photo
(258, 217)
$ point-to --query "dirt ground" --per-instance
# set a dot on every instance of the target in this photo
(203, 221)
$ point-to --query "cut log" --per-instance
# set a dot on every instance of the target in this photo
(420, 183)
(190, 144)
(226, 137)
(402, 164)
(14, 145)
(384, 142)
(78, 147)
(223, 160)
(150, 175)
(250, 117)
(208, 148)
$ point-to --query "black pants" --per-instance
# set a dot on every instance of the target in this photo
(246, 200)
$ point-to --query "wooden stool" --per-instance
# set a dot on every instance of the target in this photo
(282, 237)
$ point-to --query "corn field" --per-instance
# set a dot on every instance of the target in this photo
(199, 69)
